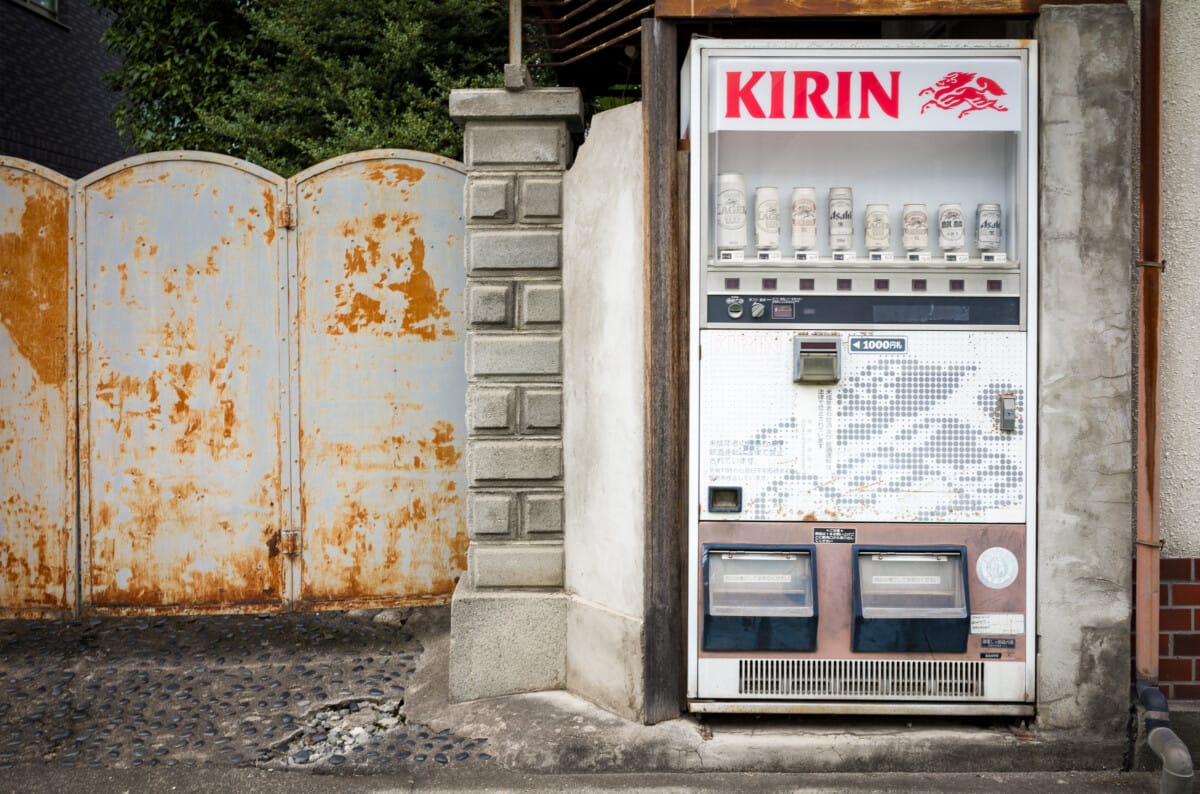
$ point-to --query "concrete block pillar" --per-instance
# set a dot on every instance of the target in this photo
(508, 618)
(1085, 437)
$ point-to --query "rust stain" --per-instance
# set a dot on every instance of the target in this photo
(123, 270)
(361, 312)
(269, 211)
(210, 262)
(111, 184)
(424, 307)
(392, 174)
(356, 260)
(34, 281)
(441, 446)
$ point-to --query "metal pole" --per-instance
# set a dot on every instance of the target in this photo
(514, 31)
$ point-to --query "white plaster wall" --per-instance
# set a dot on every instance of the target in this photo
(1180, 396)
(603, 363)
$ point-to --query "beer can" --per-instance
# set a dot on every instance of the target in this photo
(914, 219)
(988, 229)
(766, 218)
(877, 227)
(731, 211)
(804, 218)
(841, 218)
(952, 235)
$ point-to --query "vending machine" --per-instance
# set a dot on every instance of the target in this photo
(862, 462)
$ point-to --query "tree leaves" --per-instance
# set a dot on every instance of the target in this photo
(287, 83)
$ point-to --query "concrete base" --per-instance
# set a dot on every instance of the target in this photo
(605, 657)
(560, 733)
(506, 641)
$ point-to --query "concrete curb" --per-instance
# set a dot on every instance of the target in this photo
(557, 732)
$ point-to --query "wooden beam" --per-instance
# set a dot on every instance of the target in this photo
(726, 9)
(666, 378)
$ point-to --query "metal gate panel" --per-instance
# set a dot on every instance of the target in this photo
(381, 378)
(184, 493)
(37, 393)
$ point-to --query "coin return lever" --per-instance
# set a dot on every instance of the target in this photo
(817, 360)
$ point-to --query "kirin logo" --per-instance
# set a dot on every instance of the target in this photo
(956, 89)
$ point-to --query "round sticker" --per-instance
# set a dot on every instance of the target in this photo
(997, 568)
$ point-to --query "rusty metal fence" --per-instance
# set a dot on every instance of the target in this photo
(270, 385)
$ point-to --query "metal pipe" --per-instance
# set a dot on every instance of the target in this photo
(1177, 771)
(514, 31)
(1149, 542)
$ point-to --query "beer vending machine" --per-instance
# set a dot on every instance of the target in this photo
(863, 376)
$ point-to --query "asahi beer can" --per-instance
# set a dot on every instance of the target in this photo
(988, 229)
(804, 218)
(731, 211)
(766, 218)
(841, 218)
(914, 219)
(952, 235)
(877, 227)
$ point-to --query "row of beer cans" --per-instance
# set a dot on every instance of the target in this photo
(949, 221)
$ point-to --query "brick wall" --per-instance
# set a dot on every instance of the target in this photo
(1179, 628)
(55, 108)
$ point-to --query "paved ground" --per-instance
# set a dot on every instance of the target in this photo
(252, 704)
(270, 691)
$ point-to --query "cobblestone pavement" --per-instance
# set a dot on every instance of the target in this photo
(313, 690)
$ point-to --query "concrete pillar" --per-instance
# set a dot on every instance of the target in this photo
(605, 429)
(1085, 456)
(508, 619)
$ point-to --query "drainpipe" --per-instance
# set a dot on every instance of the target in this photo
(1177, 769)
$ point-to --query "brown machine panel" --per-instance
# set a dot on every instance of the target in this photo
(834, 542)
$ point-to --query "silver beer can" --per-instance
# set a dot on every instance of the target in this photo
(989, 231)
(914, 219)
(731, 211)
(766, 218)
(877, 227)
(804, 218)
(841, 218)
(952, 233)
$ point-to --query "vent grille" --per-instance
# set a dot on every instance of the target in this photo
(860, 678)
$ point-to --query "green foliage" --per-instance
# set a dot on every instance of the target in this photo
(287, 83)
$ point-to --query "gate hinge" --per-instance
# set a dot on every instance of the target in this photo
(287, 216)
(291, 542)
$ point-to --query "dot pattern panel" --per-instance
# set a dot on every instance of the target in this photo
(911, 436)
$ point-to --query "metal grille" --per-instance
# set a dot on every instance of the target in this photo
(860, 678)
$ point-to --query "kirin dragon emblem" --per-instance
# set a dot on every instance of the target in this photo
(956, 89)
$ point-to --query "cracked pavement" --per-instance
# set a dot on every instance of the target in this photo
(287, 690)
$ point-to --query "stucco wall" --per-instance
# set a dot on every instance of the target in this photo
(1085, 466)
(603, 411)
(1181, 283)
